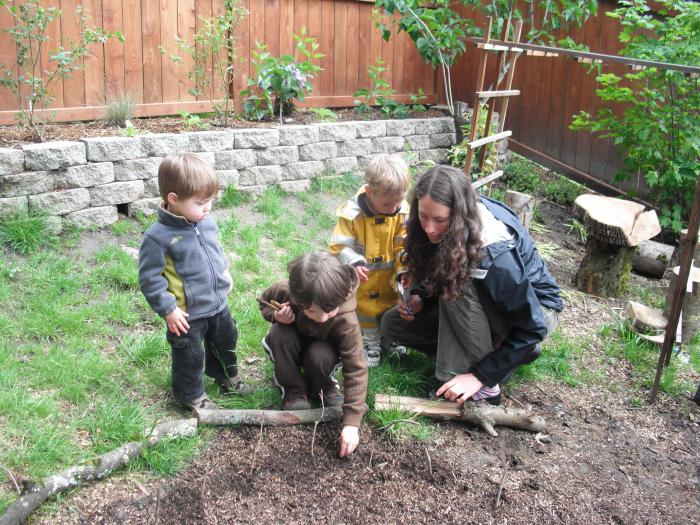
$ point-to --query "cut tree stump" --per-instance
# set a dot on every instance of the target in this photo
(477, 413)
(522, 204)
(645, 319)
(614, 227)
(652, 258)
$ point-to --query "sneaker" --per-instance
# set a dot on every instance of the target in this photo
(490, 394)
(333, 397)
(234, 386)
(203, 403)
(300, 403)
(397, 350)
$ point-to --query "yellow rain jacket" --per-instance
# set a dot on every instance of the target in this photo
(376, 241)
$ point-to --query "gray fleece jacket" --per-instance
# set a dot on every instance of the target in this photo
(182, 263)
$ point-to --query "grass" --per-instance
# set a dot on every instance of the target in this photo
(561, 361)
(25, 231)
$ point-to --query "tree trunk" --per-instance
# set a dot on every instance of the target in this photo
(605, 269)
(652, 258)
(460, 119)
(522, 204)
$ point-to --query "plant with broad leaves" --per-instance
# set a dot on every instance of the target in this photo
(653, 115)
(26, 80)
(279, 81)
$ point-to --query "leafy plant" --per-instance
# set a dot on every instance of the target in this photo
(438, 31)
(130, 130)
(279, 81)
(378, 93)
(324, 114)
(28, 82)
(523, 175)
(562, 190)
(417, 105)
(458, 153)
(119, 110)
(191, 121)
(213, 55)
(652, 115)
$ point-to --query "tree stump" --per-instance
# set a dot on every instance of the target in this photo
(615, 227)
(652, 258)
(522, 204)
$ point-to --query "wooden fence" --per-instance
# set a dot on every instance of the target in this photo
(344, 29)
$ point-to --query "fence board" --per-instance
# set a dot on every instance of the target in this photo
(185, 30)
(53, 33)
(170, 81)
(327, 39)
(352, 38)
(95, 61)
(286, 27)
(8, 52)
(74, 87)
(133, 52)
(340, 51)
(152, 75)
(272, 22)
(114, 50)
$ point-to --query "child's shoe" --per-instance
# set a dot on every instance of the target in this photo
(300, 403)
(234, 386)
(397, 350)
(373, 351)
(490, 394)
(201, 403)
(333, 397)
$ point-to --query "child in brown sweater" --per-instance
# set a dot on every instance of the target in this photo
(315, 329)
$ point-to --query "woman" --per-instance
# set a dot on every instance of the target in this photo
(476, 272)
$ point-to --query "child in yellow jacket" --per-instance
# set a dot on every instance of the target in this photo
(369, 236)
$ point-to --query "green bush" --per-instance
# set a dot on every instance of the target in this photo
(523, 175)
(563, 191)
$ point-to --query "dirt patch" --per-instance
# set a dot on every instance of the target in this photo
(15, 136)
(606, 461)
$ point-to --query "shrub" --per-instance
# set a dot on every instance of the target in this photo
(119, 110)
(523, 175)
(563, 191)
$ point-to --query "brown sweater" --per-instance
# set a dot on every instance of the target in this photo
(343, 332)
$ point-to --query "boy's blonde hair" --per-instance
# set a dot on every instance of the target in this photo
(187, 175)
(387, 174)
(320, 279)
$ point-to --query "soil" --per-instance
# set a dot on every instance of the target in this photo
(604, 459)
(16, 136)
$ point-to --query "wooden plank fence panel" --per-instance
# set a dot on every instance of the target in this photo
(287, 28)
(327, 38)
(272, 23)
(8, 54)
(167, 48)
(133, 51)
(53, 33)
(186, 23)
(340, 50)
(114, 51)
(353, 53)
(95, 61)
(152, 77)
(73, 88)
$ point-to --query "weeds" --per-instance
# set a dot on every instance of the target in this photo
(343, 184)
(119, 110)
(232, 197)
(25, 231)
(324, 114)
(579, 230)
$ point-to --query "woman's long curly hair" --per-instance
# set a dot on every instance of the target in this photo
(445, 265)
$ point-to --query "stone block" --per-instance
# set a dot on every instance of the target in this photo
(150, 188)
(102, 149)
(278, 155)
(85, 176)
(318, 151)
(53, 155)
(11, 161)
(210, 140)
(145, 206)
(354, 148)
(388, 144)
(400, 128)
(261, 175)
(256, 138)
(116, 193)
(370, 129)
(163, 144)
(12, 204)
(295, 186)
(228, 178)
(338, 131)
(418, 142)
(54, 225)
(298, 135)
(341, 164)
(61, 202)
(434, 155)
(93, 217)
(442, 140)
(136, 168)
(302, 170)
(434, 125)
(234, 159)
(27, 183)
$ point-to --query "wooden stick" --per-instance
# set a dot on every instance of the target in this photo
(271, 418)
(478, 413)
(102, 467)
(274, 304)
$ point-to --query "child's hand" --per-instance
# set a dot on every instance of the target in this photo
(349, 439)
(362, 273)
(285, 315)
(177, 321)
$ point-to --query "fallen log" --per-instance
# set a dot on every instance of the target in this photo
(652, 258)
(100, 468)
(269, 418)
(478, 413)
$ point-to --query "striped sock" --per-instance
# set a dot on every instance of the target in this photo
(486, 392)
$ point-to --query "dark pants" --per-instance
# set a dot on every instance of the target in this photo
(217, 359)
(291, 352)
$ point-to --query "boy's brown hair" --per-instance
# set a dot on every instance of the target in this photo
(187, 175)
(320, 279)
(387, 175)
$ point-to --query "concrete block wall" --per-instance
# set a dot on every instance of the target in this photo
(88, 182)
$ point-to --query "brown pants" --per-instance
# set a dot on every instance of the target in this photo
(292, 352)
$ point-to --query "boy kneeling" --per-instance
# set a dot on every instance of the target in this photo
(315, 328)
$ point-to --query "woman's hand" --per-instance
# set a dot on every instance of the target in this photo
(362, 273)
(460, 388)
(285, 315)
(349, 439)
(409, 310)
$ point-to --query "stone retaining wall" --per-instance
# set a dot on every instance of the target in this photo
(85, 181)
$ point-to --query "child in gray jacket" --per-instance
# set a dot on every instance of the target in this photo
(183, 275)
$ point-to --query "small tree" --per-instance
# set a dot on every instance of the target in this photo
(658, 129)
(28, 83)
(214, 59)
